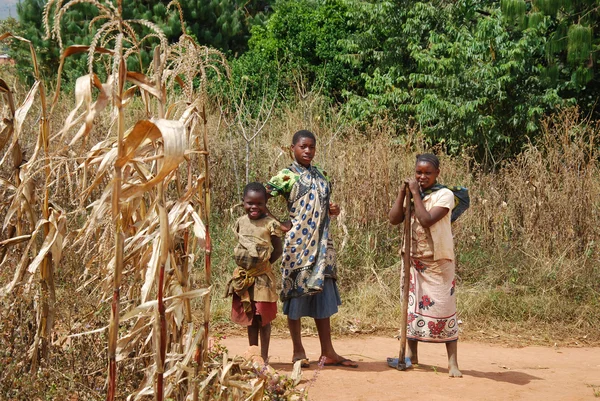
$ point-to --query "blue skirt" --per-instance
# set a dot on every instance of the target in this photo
(318, 306)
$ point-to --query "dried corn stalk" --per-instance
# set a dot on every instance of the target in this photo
(143, 201)
(133, 175)
(23, 203)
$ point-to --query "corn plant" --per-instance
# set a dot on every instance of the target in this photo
(150, 212)
(138, 205)
(51, 225)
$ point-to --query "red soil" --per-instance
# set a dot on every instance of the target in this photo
(491, 372)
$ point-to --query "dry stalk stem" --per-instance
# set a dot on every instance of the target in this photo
(47, 288)
(118, 222)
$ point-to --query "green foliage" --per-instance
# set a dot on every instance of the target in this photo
(224, 24)
(298, 48)
(572, 41)
(461, 72)
(579, 43)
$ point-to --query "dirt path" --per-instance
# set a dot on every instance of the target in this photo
(491, 372)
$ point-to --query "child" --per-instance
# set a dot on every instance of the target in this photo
(253, 284)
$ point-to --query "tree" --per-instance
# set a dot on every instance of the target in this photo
(222, 24)
(572, 44)
(298, 45)
(454, 70)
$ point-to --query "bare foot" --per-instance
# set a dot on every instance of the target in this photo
(452, 348)
(454, 372)
(411, 351)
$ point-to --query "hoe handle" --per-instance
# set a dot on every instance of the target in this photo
(405, 279)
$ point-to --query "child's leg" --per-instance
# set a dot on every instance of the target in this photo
(265, 339)
(411, 352)
(295, 327)
(253, 331)
(452, 349)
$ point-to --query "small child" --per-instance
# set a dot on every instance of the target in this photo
(253, 284)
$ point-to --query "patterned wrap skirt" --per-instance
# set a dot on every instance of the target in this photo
(432, 301)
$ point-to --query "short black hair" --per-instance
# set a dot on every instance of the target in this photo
(255, 187)
(303, 134)
(429, 158)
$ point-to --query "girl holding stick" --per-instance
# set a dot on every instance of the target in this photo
(432, 296)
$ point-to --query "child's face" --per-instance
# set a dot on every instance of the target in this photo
(304, 151)
(255, 205)
(426, 174)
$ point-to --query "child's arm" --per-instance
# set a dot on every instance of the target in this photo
(277, 249)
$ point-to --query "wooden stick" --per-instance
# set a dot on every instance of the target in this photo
(405, 280)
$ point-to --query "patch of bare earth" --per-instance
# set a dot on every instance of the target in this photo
(491, 371)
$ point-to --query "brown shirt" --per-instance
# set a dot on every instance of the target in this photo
(255, 237)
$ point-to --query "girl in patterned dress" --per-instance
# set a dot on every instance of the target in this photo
(432, 296)
(308, 267)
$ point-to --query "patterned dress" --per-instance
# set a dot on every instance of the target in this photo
(432, 295)
(308, 266)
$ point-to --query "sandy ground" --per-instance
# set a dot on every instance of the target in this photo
(491, 372)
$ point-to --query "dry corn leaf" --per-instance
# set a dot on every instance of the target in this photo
(83, 95)
(151, 272)
(59, 220)
(23, 198)
(23, 263)
(19, 118)
(69, 51)
(199, 227)
(54, 232)
(6, 130)
(142, 308)
(174, 145)
(95, 108)
(143, 83)
(14, 240)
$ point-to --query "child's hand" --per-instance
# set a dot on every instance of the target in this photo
(334, 209)
(286, 226)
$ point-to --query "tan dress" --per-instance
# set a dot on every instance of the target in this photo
(432, 296)
(253, 285)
